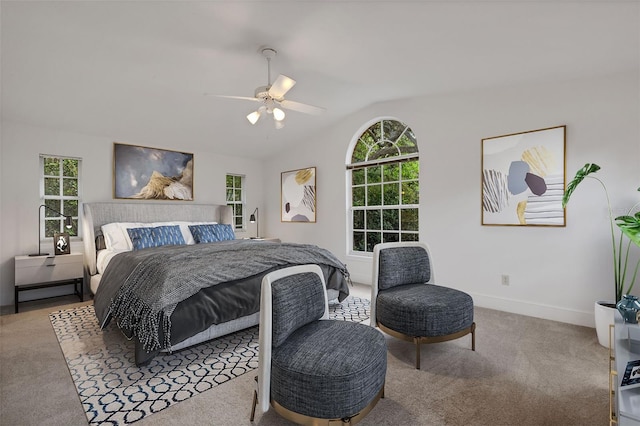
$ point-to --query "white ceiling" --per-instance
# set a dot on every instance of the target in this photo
(137, 71)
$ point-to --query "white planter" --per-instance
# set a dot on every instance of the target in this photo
(604, 315)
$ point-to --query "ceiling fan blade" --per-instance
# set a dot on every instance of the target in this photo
(244, 98)
(300, 107)
(281, 86)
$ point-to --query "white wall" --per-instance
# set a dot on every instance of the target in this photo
(19, 190)
(555, 273)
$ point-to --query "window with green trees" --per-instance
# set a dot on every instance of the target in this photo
(59, 191)
(235, 199)
(385, 190)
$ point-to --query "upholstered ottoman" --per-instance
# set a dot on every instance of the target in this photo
(302, 381)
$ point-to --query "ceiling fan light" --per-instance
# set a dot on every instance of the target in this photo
(278, 124)
(278, 114)
(253, 117)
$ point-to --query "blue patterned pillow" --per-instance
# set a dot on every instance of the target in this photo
(141, 238)
(203, 233)
(169, 235)
(224, 232)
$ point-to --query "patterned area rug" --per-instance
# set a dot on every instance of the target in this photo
(113, 390)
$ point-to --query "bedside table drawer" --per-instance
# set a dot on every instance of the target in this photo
(41, 269)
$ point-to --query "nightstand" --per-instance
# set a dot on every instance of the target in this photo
(34, 272)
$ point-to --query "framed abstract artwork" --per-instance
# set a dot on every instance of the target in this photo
(151, 174)
(523, 178)
(61, 243)
(298, 195)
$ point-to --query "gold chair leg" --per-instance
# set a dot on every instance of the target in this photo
(255, 402)
(436, 339)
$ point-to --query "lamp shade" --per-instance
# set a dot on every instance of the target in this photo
(253, 117)
(278, 114)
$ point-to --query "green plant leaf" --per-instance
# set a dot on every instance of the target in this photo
(630, 226)
(628, 221)
(579, 177)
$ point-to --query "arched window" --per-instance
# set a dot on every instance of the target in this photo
(385, 192)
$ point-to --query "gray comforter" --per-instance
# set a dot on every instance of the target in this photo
(142, 288)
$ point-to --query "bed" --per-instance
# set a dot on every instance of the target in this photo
(173, 296)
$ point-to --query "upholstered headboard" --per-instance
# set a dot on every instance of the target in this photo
(94, 215)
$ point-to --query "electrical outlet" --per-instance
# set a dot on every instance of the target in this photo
(505, 279)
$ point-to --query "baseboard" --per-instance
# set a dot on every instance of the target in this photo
(549, 312)
(537, 310)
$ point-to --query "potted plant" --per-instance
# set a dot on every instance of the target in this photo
(628, 226)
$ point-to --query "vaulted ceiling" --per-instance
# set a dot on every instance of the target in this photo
(139, 71)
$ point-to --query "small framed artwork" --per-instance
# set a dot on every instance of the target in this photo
(631, 374)
(523, 178)
(298, 195)
(61, 243)
(151, 173)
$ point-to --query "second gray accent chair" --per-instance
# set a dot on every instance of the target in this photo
(407, 304)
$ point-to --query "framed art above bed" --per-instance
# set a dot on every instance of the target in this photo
(151, 173)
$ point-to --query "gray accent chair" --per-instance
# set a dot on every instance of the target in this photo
(407, 304)
(313, 370)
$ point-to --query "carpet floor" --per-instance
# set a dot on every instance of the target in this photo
(525, 372)
(113, 390)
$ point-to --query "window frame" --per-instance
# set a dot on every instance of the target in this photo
(366, 165)
(242, 202)
(60, 197)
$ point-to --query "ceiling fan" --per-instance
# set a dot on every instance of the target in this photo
(271, 96)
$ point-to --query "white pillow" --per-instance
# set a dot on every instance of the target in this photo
(116, 236)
